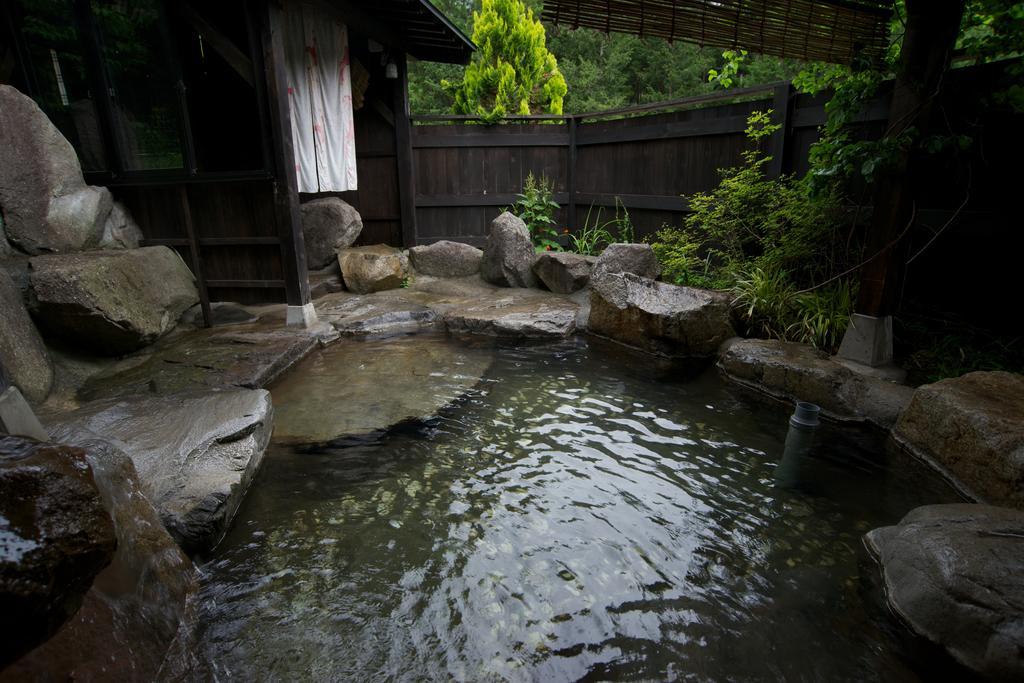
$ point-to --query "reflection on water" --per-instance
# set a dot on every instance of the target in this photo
(582, 514)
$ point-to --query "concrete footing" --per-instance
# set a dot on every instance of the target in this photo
(301, 316)
(868, 340)
(17, 418)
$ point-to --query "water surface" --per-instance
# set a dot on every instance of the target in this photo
(583, 513)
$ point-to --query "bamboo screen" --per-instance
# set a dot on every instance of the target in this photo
(836, 31)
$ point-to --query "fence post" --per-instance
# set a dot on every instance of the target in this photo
(571, 170)
(781, 104)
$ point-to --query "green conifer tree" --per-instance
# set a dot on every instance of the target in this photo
(512, 72)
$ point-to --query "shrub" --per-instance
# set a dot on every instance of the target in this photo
(773, 242)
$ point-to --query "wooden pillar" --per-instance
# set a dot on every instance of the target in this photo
(932, 27)
(781, 100)
(571, 171)
(403, 154)
(286, 193)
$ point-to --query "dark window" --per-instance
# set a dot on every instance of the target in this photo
(146, 113)
(56, 71)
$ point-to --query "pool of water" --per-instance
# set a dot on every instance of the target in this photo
(582, 513)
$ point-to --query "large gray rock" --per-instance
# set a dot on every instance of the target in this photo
(973, 427)
(22, 355)
(120, 231)
(112, 302)
(46, 204)
(55, 537)
(373, 268)
(138, 607)
(563, 272)
(658, 317)
(638, 259)
(329, 225)
(195, 452)
(799, 372)
(446, 259)
(955, 575)
(508, 253)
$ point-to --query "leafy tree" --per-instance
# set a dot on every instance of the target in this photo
(512, 72)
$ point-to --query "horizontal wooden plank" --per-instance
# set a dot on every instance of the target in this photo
(635, 201)
(491, 140)
(587, 135)
(812, 117)
(256, 284)
(468, 200)
(212, 241)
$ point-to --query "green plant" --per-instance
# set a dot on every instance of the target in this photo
(728, 74)
(765, 300)
(683, 260)
(592, 238)
(512, 72)
(822, 315)
(536, 207)
(406, 282)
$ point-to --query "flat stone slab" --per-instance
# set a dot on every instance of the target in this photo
(955, 575)
(195, 452)
(374, 315)
(799, 372)
(205, 359)
(973, 428)
(512, 317)
(361, 387)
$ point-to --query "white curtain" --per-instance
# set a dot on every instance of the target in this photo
(320, 93)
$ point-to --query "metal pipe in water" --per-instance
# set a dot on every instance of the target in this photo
(803, 423)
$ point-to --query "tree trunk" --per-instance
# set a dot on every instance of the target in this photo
(932, 27)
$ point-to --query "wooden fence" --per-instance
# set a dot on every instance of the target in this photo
(649, 158)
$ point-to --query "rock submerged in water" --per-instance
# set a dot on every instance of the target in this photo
(638, 259)
(955, 575)
(799, 372)
(563, 272)
(137, 616)
(195, 452)
(47, 205)
(329, 225)
(23, 356)
(508, 254)
(55, 537)
(446, 259)
(373, 269)
(112, 302)
(658, 317)
(359, 388)
(973, 427)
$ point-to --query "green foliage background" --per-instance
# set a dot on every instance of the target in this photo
(602, 70)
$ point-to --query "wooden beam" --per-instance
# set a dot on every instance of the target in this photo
(781, 107)
(285, 185)
(493, 139)
(197, 261)
(571, 173)
(403, 153)
(221, 44)
(725, 125)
